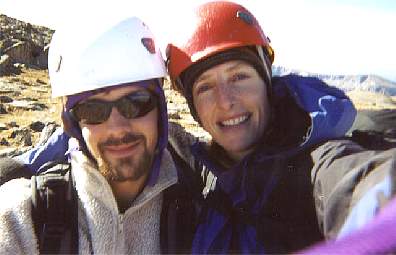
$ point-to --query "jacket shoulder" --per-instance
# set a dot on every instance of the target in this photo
(12, 168)
(16, 226)
(14, 193)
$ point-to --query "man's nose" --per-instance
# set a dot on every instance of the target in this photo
(117, 121)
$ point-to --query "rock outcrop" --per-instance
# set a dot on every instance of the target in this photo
(22, 43)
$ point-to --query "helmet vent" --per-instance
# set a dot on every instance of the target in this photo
(246, 17)
(148, 43)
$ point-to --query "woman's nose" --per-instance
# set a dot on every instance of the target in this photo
(224, 96)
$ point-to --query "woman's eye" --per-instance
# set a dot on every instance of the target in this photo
(239, 77)
(201, 88)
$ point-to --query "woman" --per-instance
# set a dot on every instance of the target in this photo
(259, 196)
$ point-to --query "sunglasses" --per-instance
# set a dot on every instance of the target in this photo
(134, 105)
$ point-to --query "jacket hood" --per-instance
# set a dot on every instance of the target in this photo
(331, 111)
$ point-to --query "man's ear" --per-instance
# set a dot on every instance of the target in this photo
(70, 126)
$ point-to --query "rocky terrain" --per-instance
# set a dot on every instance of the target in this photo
(27, 109)
(22, 44)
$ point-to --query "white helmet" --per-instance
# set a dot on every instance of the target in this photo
(91, 56)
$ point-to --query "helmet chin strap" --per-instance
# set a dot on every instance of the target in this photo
(260, 52)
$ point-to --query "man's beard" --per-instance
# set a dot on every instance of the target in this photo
(124, 169)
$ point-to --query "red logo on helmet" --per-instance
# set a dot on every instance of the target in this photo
(148, 43)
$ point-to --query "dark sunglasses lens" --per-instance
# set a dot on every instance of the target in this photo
(137, 104)
(93, 112)
(134, 105)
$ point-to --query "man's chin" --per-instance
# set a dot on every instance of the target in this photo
(127, 168)
(125, 173)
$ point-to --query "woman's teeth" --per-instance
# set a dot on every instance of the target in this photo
(235, 121)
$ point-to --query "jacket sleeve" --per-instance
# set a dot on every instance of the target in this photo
(16, 226)
(377, 237)
(53, 149)
(351, 185)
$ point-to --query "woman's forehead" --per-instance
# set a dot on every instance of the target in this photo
(225, 67)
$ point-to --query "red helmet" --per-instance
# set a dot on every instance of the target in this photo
(220, 26)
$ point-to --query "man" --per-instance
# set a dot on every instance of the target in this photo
(110, 80)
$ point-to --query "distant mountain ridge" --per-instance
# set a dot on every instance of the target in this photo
(371, 83)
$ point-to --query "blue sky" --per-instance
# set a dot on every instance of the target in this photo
(325, 36)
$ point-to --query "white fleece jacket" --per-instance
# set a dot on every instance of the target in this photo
(102, 229)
